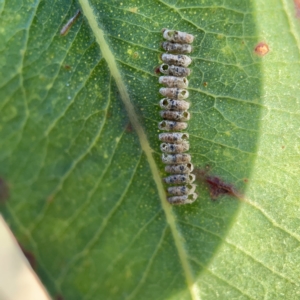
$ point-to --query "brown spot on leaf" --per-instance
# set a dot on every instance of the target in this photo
(59, 297)
(50, 199)
(4, 191)
(217, 186)
(30, 257)
(67, 67)
(205, 84)
(297, 8)
(246, 180)
(282, 147)
(129, 127)
(261, 49)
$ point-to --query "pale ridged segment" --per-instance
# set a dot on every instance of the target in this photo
(177, 36)
(176, 59)
(172, 125)
(182, 190)
(185, 199)
(174, 70)
(170, 104)
(180, 179)
(173, 137)
(173, 81)
(176, 48)
(175, 115)
(170, 159)
(179, 169)
(174, 148)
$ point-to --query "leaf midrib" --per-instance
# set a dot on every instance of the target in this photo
(111, 62)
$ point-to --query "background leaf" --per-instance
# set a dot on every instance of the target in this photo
(82, 189)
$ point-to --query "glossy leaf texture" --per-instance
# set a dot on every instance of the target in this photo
(80, 164)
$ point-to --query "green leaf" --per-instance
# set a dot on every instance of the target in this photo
(80, 162)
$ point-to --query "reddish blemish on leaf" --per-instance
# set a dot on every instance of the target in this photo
(217, 186)
(157, 71)
(129, 127)
(297, 8)
(30, 257)
(4, 191)
(261, 49)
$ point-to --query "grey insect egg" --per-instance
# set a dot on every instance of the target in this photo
(175, 115)
(170, 104)
(176, 48)
(174, 93)
(177, 36)
(182, 190)
(185, 199)
(174, 70)
(172, 81)
(179, 169)
(173, 137)
(174, 148)
(172, 125)
(180, 178)
(171, 159)
(177, 60)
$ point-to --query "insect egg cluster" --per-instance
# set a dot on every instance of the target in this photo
(175, 115)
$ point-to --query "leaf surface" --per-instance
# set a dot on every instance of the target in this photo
(80, 161)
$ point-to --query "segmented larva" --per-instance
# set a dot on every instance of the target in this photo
(175, 115)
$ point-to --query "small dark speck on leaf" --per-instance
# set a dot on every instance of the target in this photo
(205, 84)
(282, 147)
(261, 49)
(4, 191)
(59, 297)
(109, 114)
(67, 67)
(30, 257)
(217, 187)
(129, 127)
